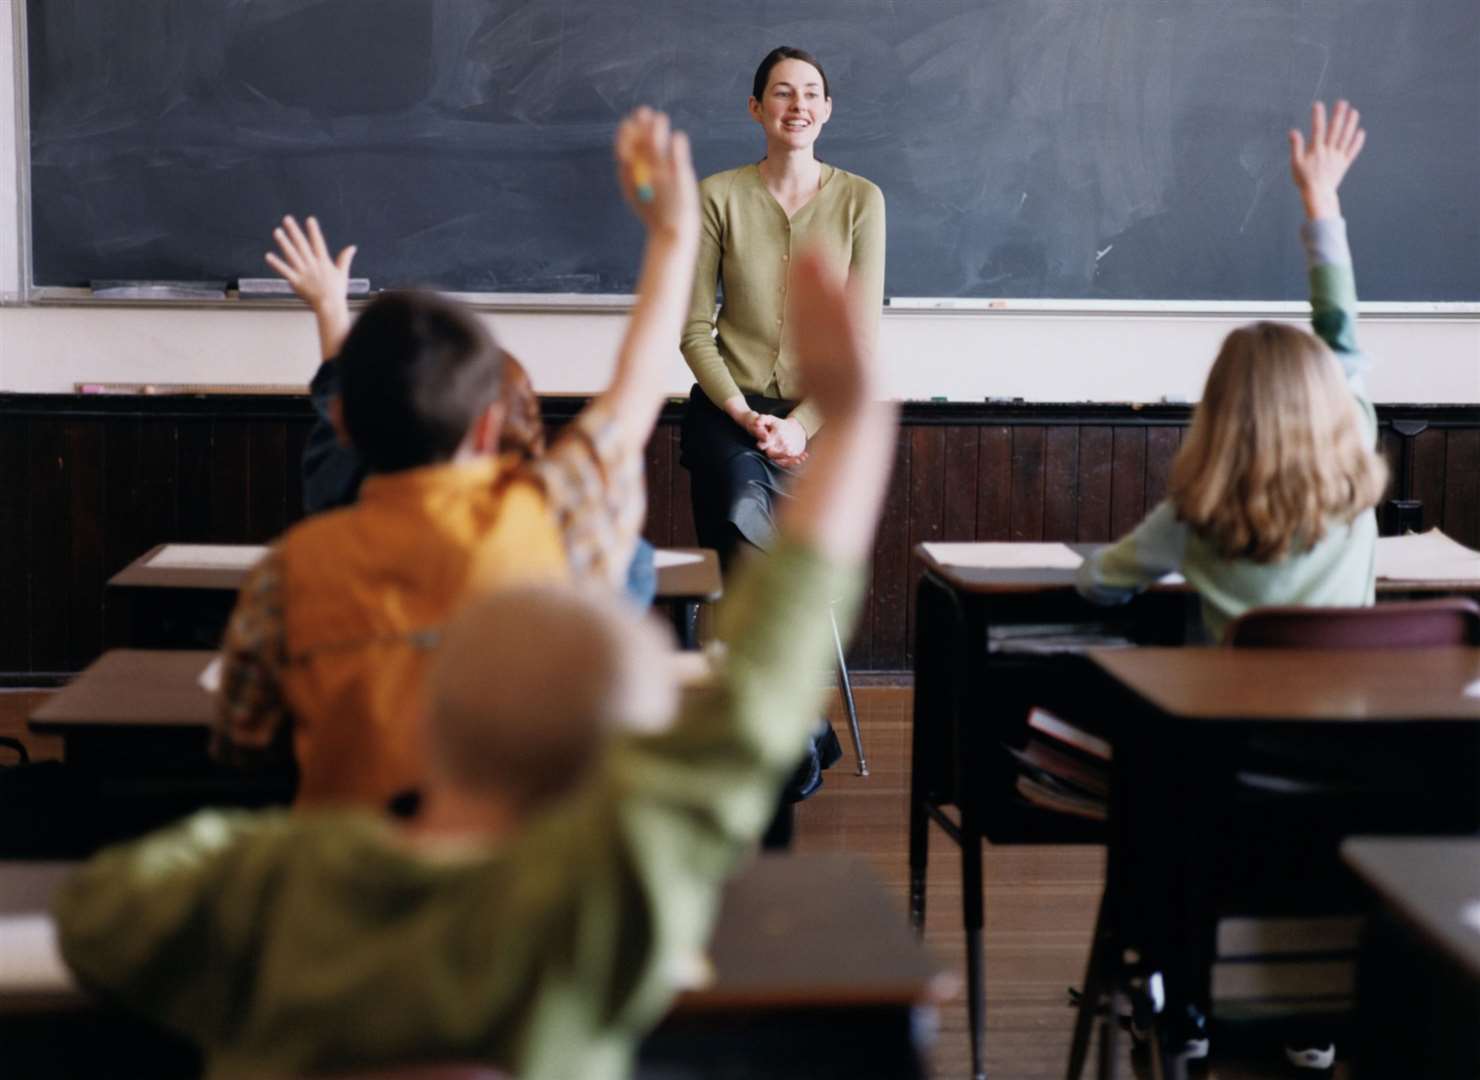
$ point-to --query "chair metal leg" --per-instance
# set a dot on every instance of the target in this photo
(1093, 996)
(848, 704)
(919, 860)
(1109, 1067)
(971, 911)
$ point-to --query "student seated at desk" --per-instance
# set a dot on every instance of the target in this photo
(561, 878)
(335, 628)
(1271, 494)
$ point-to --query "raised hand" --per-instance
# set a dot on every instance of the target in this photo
(656, 174)
(320, 280)
(1318, 166)
(306, 264)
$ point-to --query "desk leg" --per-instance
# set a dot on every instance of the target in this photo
(1094, 994)
(971, 911)
(686, 618)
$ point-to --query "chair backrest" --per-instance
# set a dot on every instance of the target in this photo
(1418, 624)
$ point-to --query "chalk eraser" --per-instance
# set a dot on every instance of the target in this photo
(1173, 399)
(275, 288)
(158, 290)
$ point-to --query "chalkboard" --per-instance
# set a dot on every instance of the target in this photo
(1115, 149)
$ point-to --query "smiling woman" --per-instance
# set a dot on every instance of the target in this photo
(745, 431)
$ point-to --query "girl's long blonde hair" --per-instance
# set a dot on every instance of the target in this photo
(1276, 449)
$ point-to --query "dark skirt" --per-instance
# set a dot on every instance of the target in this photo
(735, 488)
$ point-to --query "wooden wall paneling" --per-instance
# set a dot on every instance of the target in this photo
(657, 460)
(1128, 480)
(1426, 458)
(266, 493)
(50, 551)
(681, 508)
(1462, 486)
(125, 508)
(15, 555)
(1061, 482)
(1161, 447)
(960, 487)
(892, 565)
(1096, 452)
(231, 480)
(193, 439)
(85, 447)
(1027, 483)
(994, 483)
(926, 511)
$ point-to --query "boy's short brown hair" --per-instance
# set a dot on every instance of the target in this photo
(415, 371)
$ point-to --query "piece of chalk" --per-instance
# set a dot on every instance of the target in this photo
(642, 180)
(275, 288)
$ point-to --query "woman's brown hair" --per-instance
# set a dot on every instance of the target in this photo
(1277, 448)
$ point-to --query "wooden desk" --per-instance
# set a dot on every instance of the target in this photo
(1247, 686)
(690, 579)
(1238, 772)
(131, 704)
(1418, 979)
(816, 975)
(186, 607)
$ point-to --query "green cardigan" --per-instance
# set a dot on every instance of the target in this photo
(295, 945)
(748, 242)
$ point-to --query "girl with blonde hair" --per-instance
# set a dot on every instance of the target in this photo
(1271, 494)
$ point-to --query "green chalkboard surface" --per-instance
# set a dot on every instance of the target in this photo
(1082, 149)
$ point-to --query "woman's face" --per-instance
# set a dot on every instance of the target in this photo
(794, 109)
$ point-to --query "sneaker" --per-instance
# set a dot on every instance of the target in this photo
(1193, 1030)
(1318, 1058)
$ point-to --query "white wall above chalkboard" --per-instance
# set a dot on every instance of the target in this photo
(1131, 150)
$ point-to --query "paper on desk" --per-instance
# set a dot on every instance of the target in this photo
(210, 678)
(208, 557)
(29, 957)
(1006, 556)
(1429, 556)
(663, 558)
(1470, 915)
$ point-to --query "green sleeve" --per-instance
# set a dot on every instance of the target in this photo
(697, 343)
(1152, 550)
(865, 273)
(1333, 305)
(163, 925)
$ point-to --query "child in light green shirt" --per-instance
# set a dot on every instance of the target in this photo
(1272, 492)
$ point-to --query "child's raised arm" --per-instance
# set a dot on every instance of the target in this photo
(657, 177)
(1318, 167)
(319, 279)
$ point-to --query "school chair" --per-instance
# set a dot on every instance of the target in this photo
(1298, 797)
(846, 685)
(1417, 624)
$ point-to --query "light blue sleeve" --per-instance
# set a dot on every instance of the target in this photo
(1154, 549)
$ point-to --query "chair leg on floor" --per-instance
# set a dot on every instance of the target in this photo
(971, 910)
(1109, 1067)
(919, 862)
(1092, 997)
(847, 687)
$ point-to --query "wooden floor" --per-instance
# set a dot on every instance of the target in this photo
(1039, 901)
